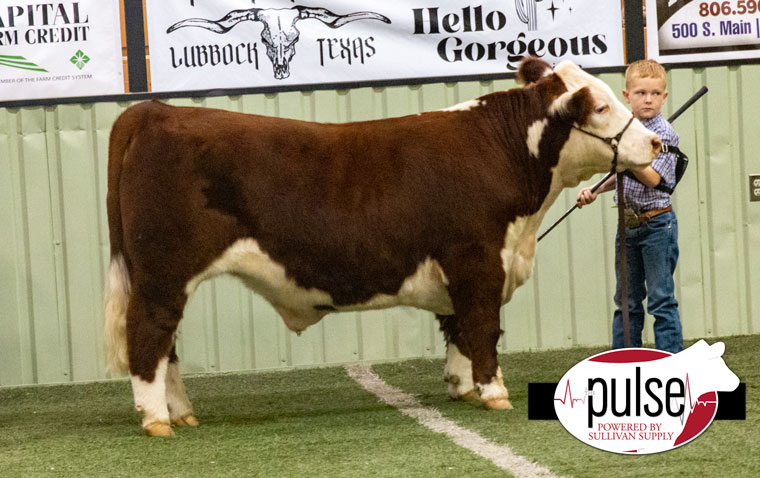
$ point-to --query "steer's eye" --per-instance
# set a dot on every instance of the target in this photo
(601, 109)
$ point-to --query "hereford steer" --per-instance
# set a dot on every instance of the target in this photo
(437, 210)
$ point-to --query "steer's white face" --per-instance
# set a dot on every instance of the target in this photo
(637, 148)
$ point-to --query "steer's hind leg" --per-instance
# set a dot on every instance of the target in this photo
(475, 287)
(180, 408)
(152, 320)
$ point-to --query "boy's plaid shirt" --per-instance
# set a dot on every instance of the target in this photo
(640, 197)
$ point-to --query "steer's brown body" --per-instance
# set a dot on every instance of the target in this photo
(437, 210)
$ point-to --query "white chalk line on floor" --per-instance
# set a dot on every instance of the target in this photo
(500, 455)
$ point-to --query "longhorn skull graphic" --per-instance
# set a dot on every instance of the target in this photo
(280, 33)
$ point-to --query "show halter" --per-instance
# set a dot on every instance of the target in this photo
(702, 91)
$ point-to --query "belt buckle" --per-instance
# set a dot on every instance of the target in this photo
(631, 218)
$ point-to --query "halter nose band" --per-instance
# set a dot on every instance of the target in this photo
(613, 141)
(616, 140)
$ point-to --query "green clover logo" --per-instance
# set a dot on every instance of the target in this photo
(80, 59)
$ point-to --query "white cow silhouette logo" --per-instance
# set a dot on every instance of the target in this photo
(706, 366)
(280, 33)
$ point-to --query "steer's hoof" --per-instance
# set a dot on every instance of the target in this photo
(498, 404)
(186, 421)
(457, 392)
(470, 396)
(159, 429)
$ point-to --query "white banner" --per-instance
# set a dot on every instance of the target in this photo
(60, 49)
(698, 30)
(201, 44)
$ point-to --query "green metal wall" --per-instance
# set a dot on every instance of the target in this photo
(54, 242)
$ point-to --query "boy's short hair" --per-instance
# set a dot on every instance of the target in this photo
(644, 69)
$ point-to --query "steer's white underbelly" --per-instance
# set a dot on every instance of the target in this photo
(300, 307)
(425, 289)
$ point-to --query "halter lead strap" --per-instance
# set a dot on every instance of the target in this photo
(622, 257)
(613, 142)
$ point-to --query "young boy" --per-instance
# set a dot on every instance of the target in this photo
(651, 227)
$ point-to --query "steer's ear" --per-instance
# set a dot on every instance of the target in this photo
(531, 70)
(574, 107)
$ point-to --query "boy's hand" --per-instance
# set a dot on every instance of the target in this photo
(585, 196)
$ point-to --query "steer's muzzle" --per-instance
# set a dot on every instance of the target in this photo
(650, 155)
(656, 147)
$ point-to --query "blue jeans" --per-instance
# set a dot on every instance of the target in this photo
(652, 250)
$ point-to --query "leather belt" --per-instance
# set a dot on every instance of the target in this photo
(634, 219)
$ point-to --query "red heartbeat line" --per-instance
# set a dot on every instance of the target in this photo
(569, 392)
(698, 402)
(692, 404)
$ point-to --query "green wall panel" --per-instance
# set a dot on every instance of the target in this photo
(54, 242)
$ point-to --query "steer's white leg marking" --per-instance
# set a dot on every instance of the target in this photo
(150, 398)
(180, 408)
(500, 455)
(458, 374)
(495, 394)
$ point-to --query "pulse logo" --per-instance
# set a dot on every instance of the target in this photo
(640, 401)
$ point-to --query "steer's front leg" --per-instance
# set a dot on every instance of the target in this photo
(458, 373)
(475, 286)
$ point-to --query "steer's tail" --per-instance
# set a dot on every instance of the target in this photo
(116, 302)
(118, 283)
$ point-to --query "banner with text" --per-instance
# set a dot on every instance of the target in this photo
(681, 31)
(199, 45)
(60, 49)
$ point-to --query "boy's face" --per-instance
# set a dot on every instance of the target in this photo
(646, 96)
